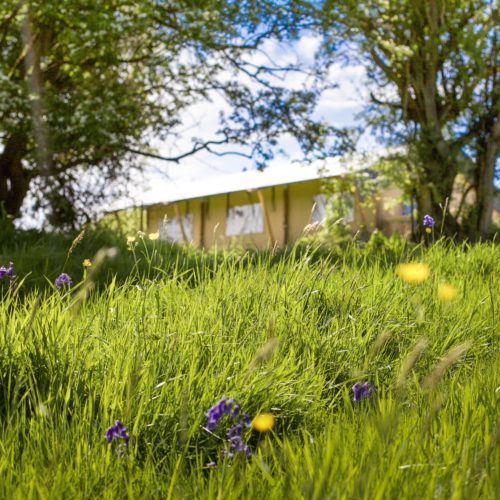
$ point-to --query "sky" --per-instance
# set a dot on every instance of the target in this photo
(338, 106)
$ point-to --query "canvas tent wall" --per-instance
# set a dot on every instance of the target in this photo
(259, 209)
(260, 218)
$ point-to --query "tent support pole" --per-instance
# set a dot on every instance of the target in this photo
(267, 218)
(179, 221)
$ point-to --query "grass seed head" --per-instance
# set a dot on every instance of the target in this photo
(451, 358)
(410, 361)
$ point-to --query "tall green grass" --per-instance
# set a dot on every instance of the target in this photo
(288, 334)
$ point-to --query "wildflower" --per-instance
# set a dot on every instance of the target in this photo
(428, 221)
(154, 236)
(141, 234)
(263, 422)
(221, 408)
(413, 272)
(361, 390)
(237, 444)
(235, 411)
(446, 292)
(64, 280)
(130, 239)
(117, 431)
(229, 407)
(87, 263)
(10, 271)
(7, 271)
(235, 436)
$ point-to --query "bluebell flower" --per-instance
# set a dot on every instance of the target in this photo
(64, 280)
(221, 408)
(237, 444)
(235, 434)
(7, 271)
(428, 221)
(361, 390)
(235, 411)
(117, 431)
(229, 407)
(237, 429)
(10, 271)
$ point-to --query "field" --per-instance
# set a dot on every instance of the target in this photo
(290, 334)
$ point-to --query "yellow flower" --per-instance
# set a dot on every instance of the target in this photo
(141, 234)
(154, 236)
(130, 239)
(413, 272)
(263, 422)
(87, 263)
(428, 230)
(446, 292)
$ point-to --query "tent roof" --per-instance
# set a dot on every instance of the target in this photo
(252, 179)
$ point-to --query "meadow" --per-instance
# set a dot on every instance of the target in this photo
(155, 336)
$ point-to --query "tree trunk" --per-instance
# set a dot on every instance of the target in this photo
(14, 179)
(435, 187)
(484, 190)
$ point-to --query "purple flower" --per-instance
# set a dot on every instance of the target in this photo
(237, 444)
(228, 406)
(64, 280)
(117, 431)
(235, 435)
(221, 408)
(235, 411)
(7, 271)
(361, 390)
(428, 221)
(237, 429)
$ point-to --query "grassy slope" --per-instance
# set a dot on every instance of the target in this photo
(157, 355)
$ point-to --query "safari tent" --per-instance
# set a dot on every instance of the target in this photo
(266, 208)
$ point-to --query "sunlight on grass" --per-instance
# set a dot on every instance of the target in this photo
(347, 392)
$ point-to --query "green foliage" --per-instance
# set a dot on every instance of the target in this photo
(86, 86)
(124, 222)
(157, 354)
(339, 209)
(431, 66)
(40, 257)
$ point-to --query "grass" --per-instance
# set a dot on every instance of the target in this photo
(287, 334)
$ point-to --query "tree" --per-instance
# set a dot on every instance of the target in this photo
(85, 86)
(433, 70)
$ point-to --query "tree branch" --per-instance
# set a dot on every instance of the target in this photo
(195, 149)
